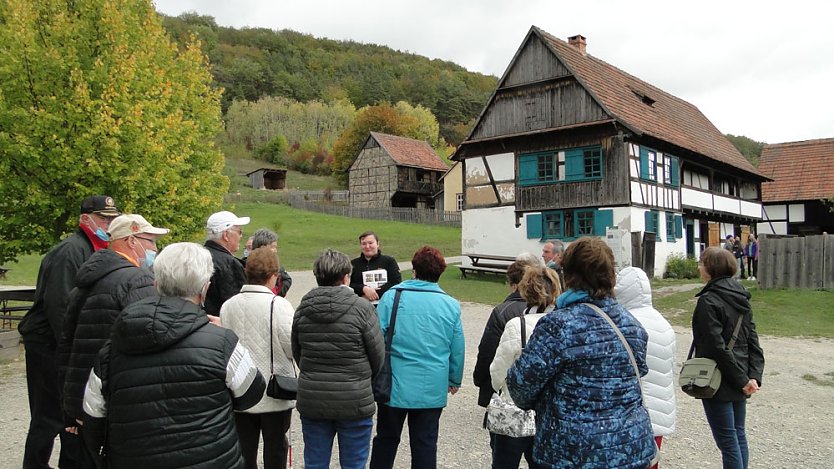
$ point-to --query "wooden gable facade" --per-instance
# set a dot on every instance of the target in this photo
(392, 171)
(570, 146)
(796, 202)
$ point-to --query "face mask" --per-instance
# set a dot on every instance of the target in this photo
(149, 258)
(245, 253)
(100, 234)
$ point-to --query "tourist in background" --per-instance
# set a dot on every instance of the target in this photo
(427, 355)
(372, 258)
(575, 372)
(721, 303)
(752, 256)
(539, 288)
(263, 322)
(225, 230)
(268, 238)
(634, 293)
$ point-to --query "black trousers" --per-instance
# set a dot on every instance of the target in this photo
(274, 427)
(423, 426)
(46, 419)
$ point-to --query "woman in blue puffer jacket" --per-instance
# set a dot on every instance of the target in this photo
(576, 372)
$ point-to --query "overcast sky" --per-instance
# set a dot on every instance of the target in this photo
(761, 69)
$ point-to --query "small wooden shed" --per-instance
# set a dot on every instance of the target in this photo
(268, 178)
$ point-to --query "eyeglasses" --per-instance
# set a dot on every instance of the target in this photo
(238, 231)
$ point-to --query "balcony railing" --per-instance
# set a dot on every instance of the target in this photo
(418, 187)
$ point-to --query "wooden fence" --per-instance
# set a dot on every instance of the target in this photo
(408, 215)
(796, 262)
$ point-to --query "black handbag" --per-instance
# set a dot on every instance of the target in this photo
(279, 387)
(382, 381)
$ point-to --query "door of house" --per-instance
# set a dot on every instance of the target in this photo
(690, 238)
(714, 234)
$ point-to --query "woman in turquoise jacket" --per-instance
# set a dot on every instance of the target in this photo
(427, 355)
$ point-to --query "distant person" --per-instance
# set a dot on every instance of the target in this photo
(752, 256)
(738, 253)
(728, 244)
(110, 280)
(163, 389)
(721, 303)
(372, 259)
(337, 343)
(552, 253)
(225, 230)
(268, 238)
(262, 322)
(528, 258)
(40, 330)
(427, 354)
(634, 293)
(576, 372)
(539, 287)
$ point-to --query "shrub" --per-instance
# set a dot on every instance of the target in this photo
(680, 266)
(274, 151)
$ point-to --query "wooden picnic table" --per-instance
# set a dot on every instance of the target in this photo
(14, 293)
(486, 263)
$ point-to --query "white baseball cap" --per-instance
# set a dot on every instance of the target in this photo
(222, 221)
(131, 225)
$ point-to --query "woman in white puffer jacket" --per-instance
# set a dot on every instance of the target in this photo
(248, 315)
(634, 293)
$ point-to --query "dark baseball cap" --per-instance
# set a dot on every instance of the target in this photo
(101, 205)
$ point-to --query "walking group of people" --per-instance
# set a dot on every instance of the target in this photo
(139, 358)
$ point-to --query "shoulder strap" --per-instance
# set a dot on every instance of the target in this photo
(524, 327)
(729, 345)
(271, 360)
(622, 339)
(389, 335)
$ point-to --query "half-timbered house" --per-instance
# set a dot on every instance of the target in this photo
(392, 171)
(569, 145)
(795, 202)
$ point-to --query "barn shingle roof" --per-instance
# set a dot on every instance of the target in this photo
(800, 170)
(645, 108)
(410, 152)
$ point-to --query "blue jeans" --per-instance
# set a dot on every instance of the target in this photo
(354, 442)
(726, 420)
(423, 426)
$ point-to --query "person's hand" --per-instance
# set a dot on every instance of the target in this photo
(453, 390)
(751, 387)
(214, 320)
(369, 293)
(74, 430)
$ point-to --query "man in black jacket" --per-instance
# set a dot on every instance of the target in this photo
(110, 280)
(41, 328)
(372, 259)
(224, 234)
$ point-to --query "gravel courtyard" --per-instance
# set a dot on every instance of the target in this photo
(790, 421)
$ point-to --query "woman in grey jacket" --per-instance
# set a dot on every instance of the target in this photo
(338, 346)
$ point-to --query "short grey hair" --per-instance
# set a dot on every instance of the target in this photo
(182, 270)
(330, 267)
(263, 237)
(529, 259)
(212, 236)
(558, 246)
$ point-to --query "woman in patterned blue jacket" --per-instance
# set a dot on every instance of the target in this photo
(576, 373)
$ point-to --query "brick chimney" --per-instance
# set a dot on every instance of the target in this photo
(579, 42)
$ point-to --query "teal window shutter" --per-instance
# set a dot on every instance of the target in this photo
(528, 170)
(678, 226)
(534, 226)
(670, 226)
(651, 222)
(603, 219)
(675, 172)
(574, 164)
(644, 164)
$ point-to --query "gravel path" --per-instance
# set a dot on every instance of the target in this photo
(789, 420)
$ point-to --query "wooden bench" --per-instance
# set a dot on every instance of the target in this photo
(481, 270)
(486, 263)
(18, 295)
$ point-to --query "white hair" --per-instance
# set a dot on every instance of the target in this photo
(182, 270)
(212, 236)
(528, 258)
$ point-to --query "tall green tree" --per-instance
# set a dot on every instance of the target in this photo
(96, 99)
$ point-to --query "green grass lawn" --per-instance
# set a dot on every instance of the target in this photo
(487, 289)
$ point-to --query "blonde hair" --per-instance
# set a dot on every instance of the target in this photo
(539, 286)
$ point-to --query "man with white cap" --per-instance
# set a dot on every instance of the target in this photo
(106, 283)
(224, 234)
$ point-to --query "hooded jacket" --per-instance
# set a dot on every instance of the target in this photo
(337, 344)
(634, 293)
(167, 383)
(720, 303)
(513, 306)
(105, 285)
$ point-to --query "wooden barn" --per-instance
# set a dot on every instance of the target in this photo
(268, 178)
(393, 171)
(793, 202)
(569, 145)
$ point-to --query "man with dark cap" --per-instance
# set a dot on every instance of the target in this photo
(41, 328)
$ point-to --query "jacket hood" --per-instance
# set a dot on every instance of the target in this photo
(731, 291)
(155, 323)
(633, 289)
(101, 264)
(328, 304)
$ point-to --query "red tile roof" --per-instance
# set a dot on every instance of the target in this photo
(800, 170)
(667, 118)
(410, 152)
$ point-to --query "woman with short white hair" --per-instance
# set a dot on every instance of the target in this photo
(164, 388)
